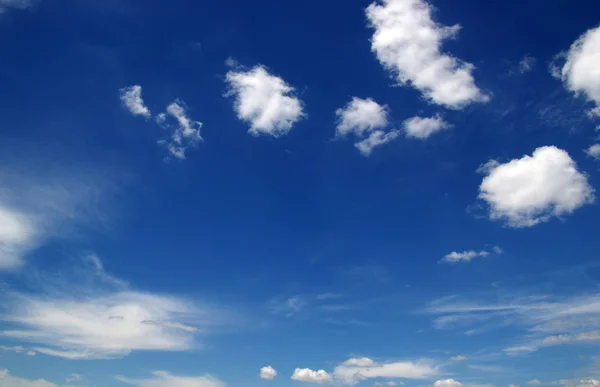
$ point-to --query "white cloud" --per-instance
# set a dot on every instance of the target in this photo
(309, 376)
(467, 256)
(99, 320)
(74, 378)
(131, 97)
(534, 382)
(513, 385)
(447, 383)
(375, 139)
(407, 43)
(458, 358)
(530, 190)
(37, 207)
(18, 4)
(578, 383)
(268, 373)
(352, 374)
(8, 380)
(422, 128)
(594, 151)
(580, 72)
(264, 100)
(361, 362)
(184, 134)
(389, 383)
(361, 116)
(526, 64)
(165, 379)
(17, 349)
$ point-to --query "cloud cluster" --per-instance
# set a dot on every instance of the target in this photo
(310, 376)
(447, 383)
(580, 72)
(131, 97)
(361, 116)
(375, 139)
(594, 151)
(353, 371)
(264, 100)
(407, 42)
(165, 379)
(422, 128)
(17, 349)
(8, 380)
(533, 189)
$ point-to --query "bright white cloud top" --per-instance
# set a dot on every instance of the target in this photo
(422, 128)
(533, 189)
(447, 383)
(580, 73)
(355, 370)
(468, 256)
(408, 43)
(361, 116)
(131, 97)
(268, 373)
(264, 100)
(310, 376)
(594, 151)
(166, 379)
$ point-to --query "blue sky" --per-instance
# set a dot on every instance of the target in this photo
(342, 192)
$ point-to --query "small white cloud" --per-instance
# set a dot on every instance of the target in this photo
(458, 358)
(513, 385)
(375, 139)
(361, 116)
(526, 64)
(447, 383)
(18, 234)
(131, 97)
(534, 382)
(74, 378)
(422, 128)
(594, 151)
(268, 373)
(580, 72)
(407, 43)
(184, 134)
(309, 376)
(165, 379)
(530, 190)
(264, 100)
(464, 256)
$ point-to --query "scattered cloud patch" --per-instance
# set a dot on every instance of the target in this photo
(468, 256)
(184, 134)
(534, 382)
(361, 116)
(407, 42)
(354, 373)
(526, 64)
(8, 380)
(16, 4)
(74, 378)
(288, 307)
(264, 100)
(594, 151)
(360, 362)
(458, 358)
(309, 376)
(422, 128)
(447, 383)
(165, 379)
(268, 373)
(131, 97)
(580, 73)
(17, 349)
(375, 139)
(533, 189)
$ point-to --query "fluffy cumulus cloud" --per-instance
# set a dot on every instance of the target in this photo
(165, 379)
(355, 370)
(361, 116)
(183, 131)
(131, 97)
(594, 151)
(580, 71)
(98, 318)
(268, 373)
(264, 100)
(408, 43)
(375, 139)
(467, 256)
(422, 128)
(310, 376)
(447, 383)
(533, 189)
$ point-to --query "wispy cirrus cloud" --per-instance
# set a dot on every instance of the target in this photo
(166, 379)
